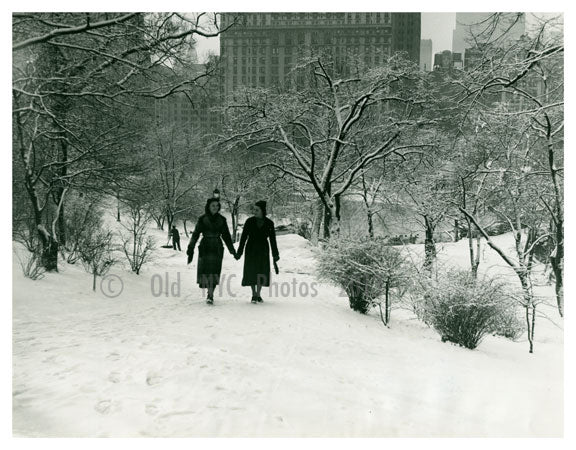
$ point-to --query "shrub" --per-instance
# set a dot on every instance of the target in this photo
(83, 221)
(136, 244)
(509, 325)
(31, 265)
(96, 255)
(364, 268)
(463, 309)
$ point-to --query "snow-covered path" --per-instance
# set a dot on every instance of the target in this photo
(139, 365)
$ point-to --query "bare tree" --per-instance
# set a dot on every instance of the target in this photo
(96, 254)
(310, 135)
(513, 186)
(177, 171)
(527, 76)
(136, 244)
(75, 77)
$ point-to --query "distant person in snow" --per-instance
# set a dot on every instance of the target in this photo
(256, 233)
(175, 238)
(214, 229)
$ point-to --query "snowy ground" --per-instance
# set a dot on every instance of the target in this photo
(138, 365)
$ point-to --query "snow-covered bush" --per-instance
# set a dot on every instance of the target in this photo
(509, 325)
(96, 254)
(83, 221)
(365, 269)
(137, 246)
(463, 309)
(31, 264)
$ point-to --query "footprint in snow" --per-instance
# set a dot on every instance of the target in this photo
(114, 377)
(50, 359)
(151, 409)
(103, 407)
(153, 378)
(114, 356)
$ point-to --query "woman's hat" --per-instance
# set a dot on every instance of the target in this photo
(262, 205)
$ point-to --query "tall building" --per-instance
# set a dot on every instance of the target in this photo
(469, 25)
(426, 54)
(406, 34)
(197, 107)
(261, 49)
(448, 60)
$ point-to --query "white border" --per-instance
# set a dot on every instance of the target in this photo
(294, 5)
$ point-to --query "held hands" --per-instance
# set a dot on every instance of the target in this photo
(190, 256)
(237, 255)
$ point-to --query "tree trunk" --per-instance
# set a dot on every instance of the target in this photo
(234, 214)
(388, 305)
(557, 215)
(529, 307)
(369, 216)
(48, 245)
(556, 261)
(60, 192)
(170, 219)
(429, 246)
(335, 219)
(474, 255)
(49, 250)
(61, 224)
(159, 222)
(317, 221)
(326, 223)
(368, 207)
(456, 230)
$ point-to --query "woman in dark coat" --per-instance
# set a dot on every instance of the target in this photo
(256, 232)
(214, 229)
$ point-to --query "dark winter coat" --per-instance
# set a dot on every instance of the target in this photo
(255, 236)
(175, 234)
(214, 229)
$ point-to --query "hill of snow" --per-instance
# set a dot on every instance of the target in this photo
(297, 365)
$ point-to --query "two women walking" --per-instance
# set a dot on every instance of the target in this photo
(257, 231)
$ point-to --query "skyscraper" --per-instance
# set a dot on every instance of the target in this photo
(469, 25)
(426, 54)
(447, 60)
(261, 49)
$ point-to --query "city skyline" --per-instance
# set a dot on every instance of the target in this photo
(435, 26)
(438, 26)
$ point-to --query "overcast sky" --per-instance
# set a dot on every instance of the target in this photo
(435, 26)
